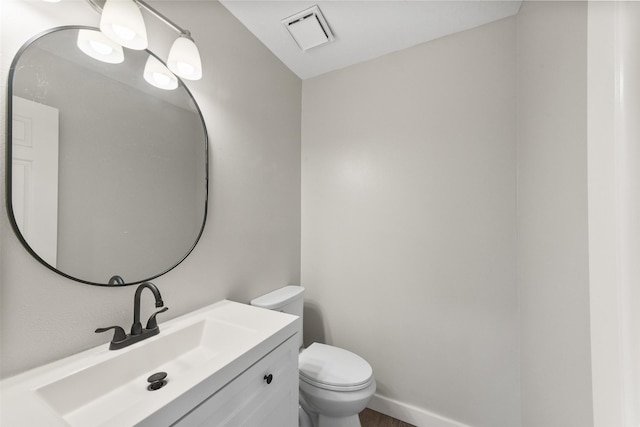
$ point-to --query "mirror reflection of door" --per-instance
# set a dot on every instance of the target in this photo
(35, 175)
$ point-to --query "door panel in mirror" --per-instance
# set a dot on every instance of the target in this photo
(35, 175)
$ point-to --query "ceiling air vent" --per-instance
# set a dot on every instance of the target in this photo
(308, 28)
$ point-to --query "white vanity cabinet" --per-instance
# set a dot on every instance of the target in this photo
(265, 395)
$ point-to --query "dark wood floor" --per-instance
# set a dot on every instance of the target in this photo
(371, 418)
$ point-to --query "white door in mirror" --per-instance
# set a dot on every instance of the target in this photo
(34, 177)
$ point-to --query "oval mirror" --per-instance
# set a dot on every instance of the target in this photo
(106, 174)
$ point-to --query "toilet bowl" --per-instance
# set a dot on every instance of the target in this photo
(335, 384)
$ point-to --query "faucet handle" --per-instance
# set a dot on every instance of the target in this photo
(152, 323)
(119, 333)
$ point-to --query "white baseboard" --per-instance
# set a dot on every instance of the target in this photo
(410, 414)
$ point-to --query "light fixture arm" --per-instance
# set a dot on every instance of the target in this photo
(163, 18)
(184, 33)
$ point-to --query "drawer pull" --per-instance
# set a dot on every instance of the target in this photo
(268, 378)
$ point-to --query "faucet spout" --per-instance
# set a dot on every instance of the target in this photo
(120, 338)
(136, 328)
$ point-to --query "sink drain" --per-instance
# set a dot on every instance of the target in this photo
(157, 381)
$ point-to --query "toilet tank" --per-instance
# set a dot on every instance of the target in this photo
(288, 299)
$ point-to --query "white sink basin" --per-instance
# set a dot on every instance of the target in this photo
(92, 395)
(200, 352)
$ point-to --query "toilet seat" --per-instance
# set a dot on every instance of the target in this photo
(333, 368)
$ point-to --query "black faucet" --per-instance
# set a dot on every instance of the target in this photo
(136, 328)
(138, 333)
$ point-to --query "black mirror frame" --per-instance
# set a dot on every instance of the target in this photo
(9, 168)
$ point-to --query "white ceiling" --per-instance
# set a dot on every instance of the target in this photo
(363, 29)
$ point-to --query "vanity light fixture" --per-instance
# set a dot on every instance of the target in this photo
(122, 21)
(158, 75)
(100, 47)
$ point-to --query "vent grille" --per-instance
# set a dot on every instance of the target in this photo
(309, 28)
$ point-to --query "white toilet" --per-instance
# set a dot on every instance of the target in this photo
(335, 384)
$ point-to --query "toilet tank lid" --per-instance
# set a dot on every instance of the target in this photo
(279, 297)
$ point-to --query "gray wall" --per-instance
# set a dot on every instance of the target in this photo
(553, 260)
(409, 224)
(409, 235)
(251, 244)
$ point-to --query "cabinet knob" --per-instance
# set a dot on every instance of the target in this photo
(268, 378)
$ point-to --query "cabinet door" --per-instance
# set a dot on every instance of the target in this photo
(278, 408)
(252, 401)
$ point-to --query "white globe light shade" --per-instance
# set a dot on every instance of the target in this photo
(100, 47)
(122, 22)
(158, 75)
(184, 59)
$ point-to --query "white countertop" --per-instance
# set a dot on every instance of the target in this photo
(201, 351)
